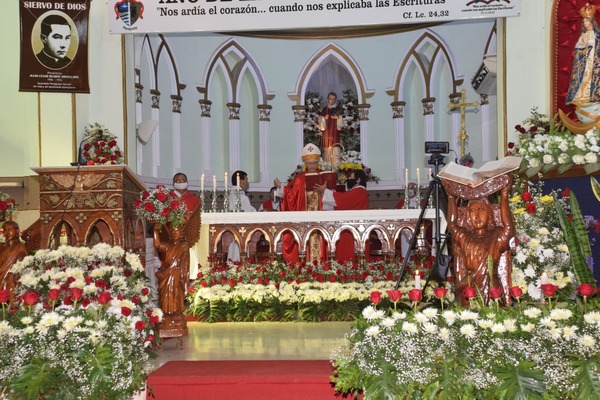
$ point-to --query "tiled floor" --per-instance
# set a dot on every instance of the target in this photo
(255, 341)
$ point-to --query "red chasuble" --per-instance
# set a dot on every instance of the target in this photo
(355, 199)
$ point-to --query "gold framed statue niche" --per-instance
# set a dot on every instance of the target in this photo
(86, 205)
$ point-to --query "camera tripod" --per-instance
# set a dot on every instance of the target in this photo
(442, 261)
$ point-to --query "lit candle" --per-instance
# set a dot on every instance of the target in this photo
(225, 180)
(202, 183)
(429, 176)
(417, 281)
(237, 180)
(214, 183)
(418, 178)
(544, 278)
(405, 177)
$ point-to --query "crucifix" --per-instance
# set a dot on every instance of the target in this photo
(462, 135)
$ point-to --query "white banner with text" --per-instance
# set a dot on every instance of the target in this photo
(143, 16)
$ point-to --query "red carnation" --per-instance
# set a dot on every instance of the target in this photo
(516, 292)
(440, 292)
(140, 325)
(149, 207)
(375, 297)
(54, 294)
(530, 208)
(585, 289)
(395, 295)
(174, 205)
(126, 311)
(145, 195)
(495, 293)
(415, 295)
(145, 291)
(549, 289)
(162, 197)
(104, 297)
(526, 196)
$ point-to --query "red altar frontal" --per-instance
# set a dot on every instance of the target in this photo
(261, 233)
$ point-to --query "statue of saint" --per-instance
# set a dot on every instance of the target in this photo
(476, 237)
(331, 125)
(10, 252)
(584, 86)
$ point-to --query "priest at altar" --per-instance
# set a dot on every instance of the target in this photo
(295, 196)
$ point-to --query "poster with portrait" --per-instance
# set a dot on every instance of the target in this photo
(54, 46)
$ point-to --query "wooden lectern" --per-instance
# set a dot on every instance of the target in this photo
(86, 205)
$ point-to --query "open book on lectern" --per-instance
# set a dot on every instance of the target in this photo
(476, 176)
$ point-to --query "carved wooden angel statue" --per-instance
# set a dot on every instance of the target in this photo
(174, 274)
(479, 232)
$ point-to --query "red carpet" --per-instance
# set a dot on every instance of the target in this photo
(230, 380)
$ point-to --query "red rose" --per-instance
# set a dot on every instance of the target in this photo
(566, 192)
(162, 197)
(526, 196)
(138, 203)
(415, 295)
(104, 297)
(54, 294)
(67, 301)
(231, 282)
(75, 293)
(3, 205)
(174, 205)
(86, 146)
(85, 302)
(530, 208)
(516, 292)
(165, 212)
(495, 293)
(375, 297)
(145, 194)
(135, 300)
(549, 289)
(145, 291)
(154, 320)
(470, 292)
(101, 283)
(112, 142)
(31, 298)
(4, 296)
(395, 295)
(149, 207)
(511, 145)
(585, 289)
(126, 311)
(440, 292)
(140, 325)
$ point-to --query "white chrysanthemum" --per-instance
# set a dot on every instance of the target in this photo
(510, 324)
(533, 243)
(570, 331)
(548, 322)
(543, 231)
(29, 330)
(468, 331)
(449, 316)
(534, 291)
(592, 317)
(429, 327)
(127, 303)
(498, 328)
(50, 319)
(529, 271)
(421, 318)
(444, 333)
(388, 323)
(555, 332)
(563, 248)
(430, 312)
(399, 315)
(71, 323)
(468, 315)
(560, 314)
(372, 330)
(588, 341)
(528, 327)
(410, 328)
(532, 312)
(26, 320)
(521, 257)
(485, 323)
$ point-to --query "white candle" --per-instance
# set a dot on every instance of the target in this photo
(237, 180)
(225, 180)
(418, 178)
(405, 177)
(202, 183)
(544, 278)
(417, 281)
(429, 176)
(214, 183)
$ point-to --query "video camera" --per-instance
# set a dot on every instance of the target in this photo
(437, 147)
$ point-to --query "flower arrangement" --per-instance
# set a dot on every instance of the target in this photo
(272, 290)
(82, 325)
(416, 350)
(161, 205)
(351, 160)
(7, 204)
(546, 145)
(313, 103)
(101, 146)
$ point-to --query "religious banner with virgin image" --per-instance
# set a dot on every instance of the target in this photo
(54, 46)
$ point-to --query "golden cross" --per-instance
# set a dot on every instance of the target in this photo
(462, 135)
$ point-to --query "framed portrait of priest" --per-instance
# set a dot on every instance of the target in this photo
(54, 47)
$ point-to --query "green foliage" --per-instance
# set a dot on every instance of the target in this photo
(587, 378)
(38, 377)
(521, 382)
(572, 233)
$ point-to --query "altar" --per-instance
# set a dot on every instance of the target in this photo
(387, 226)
